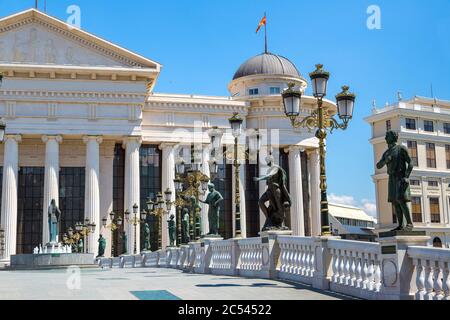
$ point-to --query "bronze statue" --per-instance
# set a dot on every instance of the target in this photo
(101, 246)
(54, 215)
(399, 168)
(172, 230)
(278, 197)
(146, 237)
(213, 200)
(185, 225)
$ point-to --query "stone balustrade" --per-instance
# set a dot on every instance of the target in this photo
(395, 268)
(431, 273)
(250, 261)
(356, 268)
(297, 259)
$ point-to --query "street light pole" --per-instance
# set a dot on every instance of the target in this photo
(236, 127)
(322, 121)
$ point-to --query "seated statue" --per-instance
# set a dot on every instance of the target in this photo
(278, 197)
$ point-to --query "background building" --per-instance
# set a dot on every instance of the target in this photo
(351, 223)
(85, 128)
(423, 125)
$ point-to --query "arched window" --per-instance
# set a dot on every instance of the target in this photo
(437, 243)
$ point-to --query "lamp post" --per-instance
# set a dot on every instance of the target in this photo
(85, 230)
(116, 223)
(236, 127)
(322, 121)
(135, 221)
(197, 184)
(158, 208)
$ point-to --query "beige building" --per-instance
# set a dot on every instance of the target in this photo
(423, 125)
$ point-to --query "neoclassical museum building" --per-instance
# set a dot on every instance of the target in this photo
(85, 127)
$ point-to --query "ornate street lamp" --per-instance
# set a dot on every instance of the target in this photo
(321, 121)
(236, 127)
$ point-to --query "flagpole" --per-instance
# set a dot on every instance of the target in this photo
(265, 34)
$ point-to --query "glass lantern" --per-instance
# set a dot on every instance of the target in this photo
(236, 124)
(319, 79)
(345, 103)
(292, 101)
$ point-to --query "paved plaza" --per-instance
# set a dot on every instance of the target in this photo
(146, 284)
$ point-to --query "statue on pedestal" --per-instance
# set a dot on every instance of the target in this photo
(213, 201)
(124, 243)
(399, 168)
(146, 237)
(185, 225)
(54, 215)
(172, 230)
(101, 246)
(80, 246)
(278, 197)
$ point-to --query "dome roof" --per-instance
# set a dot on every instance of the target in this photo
(267, 63)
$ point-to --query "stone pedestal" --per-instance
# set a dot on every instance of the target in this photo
(205, 244)
(39, 261)
(322, 272)
(396, 268)
(271, 252)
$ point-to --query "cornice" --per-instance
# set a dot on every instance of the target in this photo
(14, 94)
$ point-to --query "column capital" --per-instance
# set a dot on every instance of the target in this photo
(98, 139)
(165, 145)
(131, 139)
(294, 148)
(57, 138)
(16, 137)
(314, 152)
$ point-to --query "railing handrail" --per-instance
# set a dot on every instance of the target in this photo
(249, 241)
(295, 239)
(366, 247)
(429, 253)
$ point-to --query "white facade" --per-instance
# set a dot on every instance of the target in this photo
(423, 125)
(68, 98)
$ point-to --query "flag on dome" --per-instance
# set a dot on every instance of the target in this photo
(262, 23)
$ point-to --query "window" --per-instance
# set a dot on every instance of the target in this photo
(415, 182)
(437, 243)
(435, 211)
(412, 148)
(388, 125)
(253, 92)
(416, 209)
(447, 155)
(428, 126)
(433, 183)
(275, 90)
(410, 124)
(431, 155)
(150, 184)
(447, 128)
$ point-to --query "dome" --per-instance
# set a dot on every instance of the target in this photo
(267, 63)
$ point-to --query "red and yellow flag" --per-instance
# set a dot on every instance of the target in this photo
(262, 23)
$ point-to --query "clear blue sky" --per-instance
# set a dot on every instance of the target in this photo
(202, 42)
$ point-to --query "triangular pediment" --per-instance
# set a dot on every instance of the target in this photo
(32, 37)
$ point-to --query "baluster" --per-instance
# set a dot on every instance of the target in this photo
(429, 280)
(283, 257)
(371, 275)
(335, 266)
(294, 258)
(365, 271)
(312, 261)
(342, 266)
(438, 286)
(359, 278)
(446, 282)
(302, 260)
(420, 279)
(288, 257)
(353, 269)
(377, 275)
(348, 267)
(307, 261)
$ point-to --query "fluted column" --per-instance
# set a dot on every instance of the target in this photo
(92, 190)
(51, 181)
(132, 189)
(314, 170)
(205, 170)
(263, 168)
(242, 203)
(9, 193)
(168, 175)
(296, 191)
